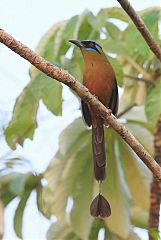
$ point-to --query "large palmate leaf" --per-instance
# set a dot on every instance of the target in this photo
(23, 121)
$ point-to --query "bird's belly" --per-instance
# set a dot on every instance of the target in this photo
(99, 84)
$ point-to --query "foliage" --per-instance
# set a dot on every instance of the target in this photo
(14, 184)
(69, 174)
(154, 99)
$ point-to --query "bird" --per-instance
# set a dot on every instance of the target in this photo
(99, 77)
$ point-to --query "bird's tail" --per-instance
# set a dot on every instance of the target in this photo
(98, 146)
(99, 206)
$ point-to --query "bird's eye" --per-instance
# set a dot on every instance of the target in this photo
(91, 45)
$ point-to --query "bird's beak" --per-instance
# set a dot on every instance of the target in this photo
(76, 42)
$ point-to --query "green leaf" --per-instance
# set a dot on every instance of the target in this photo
(40, 200)
(155, 234)
(70, 31)
(51, 94)
(95, 227)
(136, 113)
(141, 133)
(49, 44)
(17, 185)
(77, 26)
(118, 70)
(116, 191)
(140, 51)
(112, 30)
(115, 12)
(64, 164)
(87, 26)
(18, 217)
(153, 104)
(74, 65)
(139, 217)
(31, 182)
(137, 175)
(22, 124)
(82, 196)
(5, 194)
(62, 230)
(151, 19)
(133, 236)
(111, 46)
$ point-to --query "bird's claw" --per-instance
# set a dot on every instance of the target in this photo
(109, 111)
(95, 96)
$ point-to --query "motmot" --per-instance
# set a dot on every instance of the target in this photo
(99, 78)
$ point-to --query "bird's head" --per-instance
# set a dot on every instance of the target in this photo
(89, 49)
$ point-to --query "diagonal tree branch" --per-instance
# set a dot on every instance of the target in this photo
(64, 77)
(141, 27)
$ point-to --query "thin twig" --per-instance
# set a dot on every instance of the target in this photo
(141, 27)
(126, 110)
(64, 77)
(150, 82)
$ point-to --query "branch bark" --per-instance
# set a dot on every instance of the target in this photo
(141, 27)
(64, 77)
(155, 194)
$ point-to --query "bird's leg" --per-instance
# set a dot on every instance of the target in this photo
(110, 111)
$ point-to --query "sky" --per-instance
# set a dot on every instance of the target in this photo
(27, 21)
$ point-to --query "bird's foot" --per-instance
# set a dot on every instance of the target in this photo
(95, 96)
(109, 110)
(106, 122)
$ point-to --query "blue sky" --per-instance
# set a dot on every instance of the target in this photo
(28, 20)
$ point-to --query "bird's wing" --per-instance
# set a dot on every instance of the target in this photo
(86, 114)
(114, 100)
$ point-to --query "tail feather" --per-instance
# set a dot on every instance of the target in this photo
(98, 145)
(100, 207)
